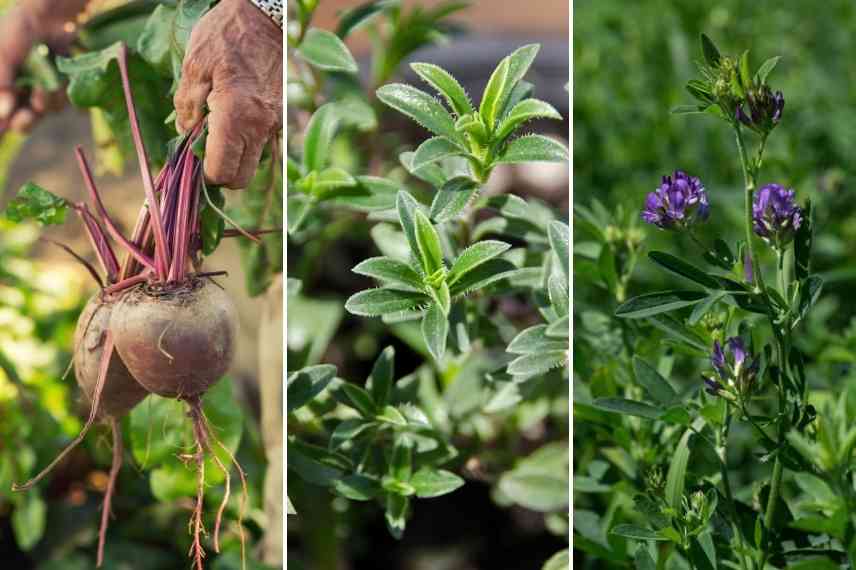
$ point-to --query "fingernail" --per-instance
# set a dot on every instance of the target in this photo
(7, 105)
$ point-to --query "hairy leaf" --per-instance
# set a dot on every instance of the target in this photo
(326, 51)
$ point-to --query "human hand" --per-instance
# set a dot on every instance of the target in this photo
(233, 64)
(24, 26)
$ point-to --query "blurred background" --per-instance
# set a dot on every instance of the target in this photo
(631, 62)
(471, 529)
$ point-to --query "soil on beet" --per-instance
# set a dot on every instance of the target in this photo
(177, 341)
(121, 392)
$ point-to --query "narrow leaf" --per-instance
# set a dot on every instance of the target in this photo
(434, 150)
(428, 242)
(474, 256)
(660, 302)
(435, 482)
(676, 478)
(628, 407)
(656, 386)
(376, 302)
(496, 85)
(533, 148)
(435, 329)
(319, 136)
(453, 198)
(382, 377)
(524, 111)
(305, 384)
(420, 107)
(446, 85)
(683, 269)
(390, 271)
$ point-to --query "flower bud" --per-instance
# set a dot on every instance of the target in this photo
(775, 215)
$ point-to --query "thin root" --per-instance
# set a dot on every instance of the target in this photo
(118, 451)
(197, 552)
(93, 414)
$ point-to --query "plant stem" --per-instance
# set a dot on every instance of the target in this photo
(749, 173)
(726, 484)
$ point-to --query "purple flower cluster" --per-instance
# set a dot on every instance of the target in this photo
(764, 109)
(677, 203)
(775, 215)
(733, 367)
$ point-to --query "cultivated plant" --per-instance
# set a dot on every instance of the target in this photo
(450, 255)
(744, 323)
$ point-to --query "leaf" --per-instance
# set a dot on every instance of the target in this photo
(354, 18)
(305, 384)
(357, 487)
(559, 561)
(656, 386)
(560, 297)
(347, 431)
(491, 102)
(431, 483)
(628, 407)
(446, 85)
(474, 256)
(679, 331)
(542, 490)
(485, 274)
(643, 559)
(453, 197)
(29, 520)
(536, 364)
(522, 112)
(396, 513)
(428, 242)
(36, 203)
(433, 173)
(319, 137)
(315, 465)
(434, 150)
(382, 377)
(636, 532)
(559, 328)
(676, 477)
(560, 242)
(420, 107)
(407, 207)
(435, 330)
(655, 303)
(326, 51)
(766, 68)
(360, 399)
(802, 244)
(683, 269)
(709, 50)
(534, 340)
(392, 272)
(502, 82)
(377, 302)
(370, 194)
(533, 148)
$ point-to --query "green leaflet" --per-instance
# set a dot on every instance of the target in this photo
(435, 330)
(326, 51)
(420, 107)
(533, 148)
(446, 85)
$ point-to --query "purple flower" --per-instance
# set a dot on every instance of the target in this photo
(731, 363)
(677, 203)
(764, 109)
(775, 215)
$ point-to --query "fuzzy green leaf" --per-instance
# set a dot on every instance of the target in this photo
(534, 340)
(560, 243)
(354, 18)
(428, 244)
(657, 387)
(522, 112)
(390, 271)
(535, 364)
(435, 330)
(376, 302)
(360, 399)
(407, 207)
(560, 297)
(433, 150)
(533, 148)
(330, 182)
(474, 256)
(326, 51)
(483, 275)
(369, 194)
(559, 328)
(446, 85)
(420, 107)
(503, 80)
(453, 198)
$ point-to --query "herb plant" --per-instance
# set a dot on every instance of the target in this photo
(434, 257)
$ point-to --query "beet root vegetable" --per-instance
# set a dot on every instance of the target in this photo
(176, 340)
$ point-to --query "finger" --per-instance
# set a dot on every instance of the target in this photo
(39, 101)
(23, 120)
(249, 163)
(7, 103)
(225, 145)
(190, 102)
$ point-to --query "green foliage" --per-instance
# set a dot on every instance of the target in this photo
(36, 203)
(433, 267)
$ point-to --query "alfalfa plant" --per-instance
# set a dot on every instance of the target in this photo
(744, 319)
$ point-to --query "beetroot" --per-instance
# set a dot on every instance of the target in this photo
(120, 392)
(176, 341)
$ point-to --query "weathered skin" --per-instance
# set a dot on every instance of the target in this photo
(176, 344)
(121, 392)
